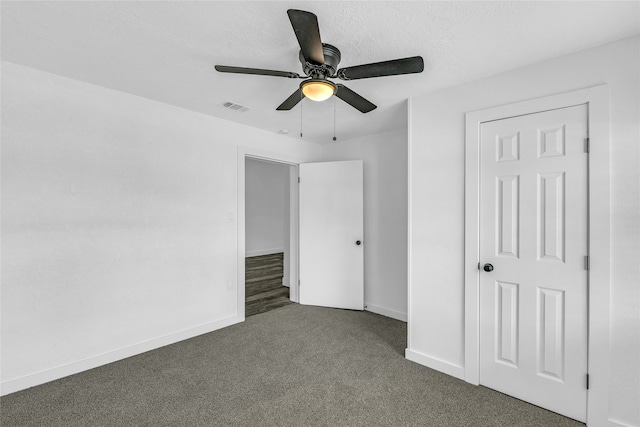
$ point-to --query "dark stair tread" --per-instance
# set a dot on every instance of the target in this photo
(263, 284)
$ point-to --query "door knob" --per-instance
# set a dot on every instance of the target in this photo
(488, 267)
(358, 242)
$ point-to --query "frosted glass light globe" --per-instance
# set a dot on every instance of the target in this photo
(318, 90)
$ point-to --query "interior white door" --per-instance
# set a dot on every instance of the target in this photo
(533, 231)
(331, 234)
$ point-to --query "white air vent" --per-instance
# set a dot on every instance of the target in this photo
(235, 107)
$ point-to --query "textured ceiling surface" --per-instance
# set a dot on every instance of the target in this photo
(166, 50)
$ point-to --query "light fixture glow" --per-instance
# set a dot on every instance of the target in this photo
(318, 90)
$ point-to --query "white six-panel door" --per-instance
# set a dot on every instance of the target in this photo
(331, 234)
(533, 231)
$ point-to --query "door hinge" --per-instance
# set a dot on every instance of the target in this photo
(586, 262)
(298, 282)
(587, 381)
(478, 266)
(298, 180)
(586, 145)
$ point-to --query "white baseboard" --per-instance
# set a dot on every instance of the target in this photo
(435, 363)
(619, 423)
(11, 386)
(260, 252)
(385, 312)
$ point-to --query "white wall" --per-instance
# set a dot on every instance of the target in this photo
(119, 225)
(436, 170)
(266, 207)
(384, 157)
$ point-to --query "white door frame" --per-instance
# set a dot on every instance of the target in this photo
(257, 154)
(597, 99)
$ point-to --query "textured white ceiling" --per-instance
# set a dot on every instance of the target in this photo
(166, 50)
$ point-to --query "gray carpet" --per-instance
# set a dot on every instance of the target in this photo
(294, 366)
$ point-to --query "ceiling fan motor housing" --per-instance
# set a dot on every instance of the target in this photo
(328, 69)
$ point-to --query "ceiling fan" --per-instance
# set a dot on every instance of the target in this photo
(319, 63)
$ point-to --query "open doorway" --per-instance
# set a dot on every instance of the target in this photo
(267, 235)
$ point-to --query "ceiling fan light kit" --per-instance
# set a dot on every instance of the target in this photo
(320, 62)
(317, 89)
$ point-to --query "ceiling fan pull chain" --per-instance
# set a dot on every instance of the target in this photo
(301, 97)
(334, 118)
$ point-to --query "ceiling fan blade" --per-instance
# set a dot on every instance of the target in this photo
(353, 99)
(305, 25)
(259, 71)
(291, 101)
(395, 67)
